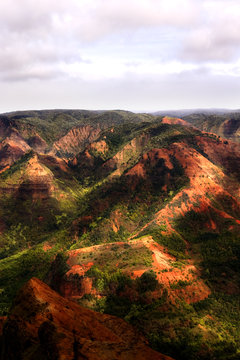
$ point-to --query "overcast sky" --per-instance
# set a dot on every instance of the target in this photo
(140, 55)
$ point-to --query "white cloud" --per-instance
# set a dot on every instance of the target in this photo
(58, 32)
(218, 37)
(105, 17)
(107, 42)
(148, 93)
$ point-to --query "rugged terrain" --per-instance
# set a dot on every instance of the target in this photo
(43, 325)
(132, 215)
(225, 125)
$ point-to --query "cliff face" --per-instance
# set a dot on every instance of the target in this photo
(43, 325)
(75, 140)
(37, 181)
(12, 147)
(174, 121)
(130, 152)
(206, 169)
(8, 155)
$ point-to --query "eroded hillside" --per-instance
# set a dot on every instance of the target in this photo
(81, 333)
(130, 215)
(225, 125)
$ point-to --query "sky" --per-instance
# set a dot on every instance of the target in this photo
(138, 55)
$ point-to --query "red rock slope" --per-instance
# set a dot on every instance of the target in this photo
(43, 325)
(75, 283)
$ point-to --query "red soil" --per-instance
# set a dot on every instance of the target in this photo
(175, 121)
(162, 265)
(76, 139)
(47, 247)
(119, 162)
(99, 146)
(62, 329)
(205, 178)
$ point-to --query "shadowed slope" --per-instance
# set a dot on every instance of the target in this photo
(43, 325)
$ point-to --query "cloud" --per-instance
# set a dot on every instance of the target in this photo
(133, 92)
(105, 17)
(39, 38)
(31, 43)
(93, 18)
(121, 51)
(58, 33)
(218, 37)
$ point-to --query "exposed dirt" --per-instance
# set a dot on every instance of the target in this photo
(37, 181)
(100, 146)
(205, 179)
(120, 162)
(163, 264)
(46, 245)
(54, 162)
(168, 275)
(9, 154)
(223, 153)
(75, 140)
(175, 121)
(152, 157)
(43, 324)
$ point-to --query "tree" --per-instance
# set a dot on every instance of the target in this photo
(148, 281)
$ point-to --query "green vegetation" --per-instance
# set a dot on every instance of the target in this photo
(50, 125)
(225, 125)
(173, 242)
(15, 270)
(117, 257)
(180, 284)
(29, 222)
(18, 269)
(17, 166)
(53, 124)
(97, 199)
(147, 281)
(204, 330)
(118, 291)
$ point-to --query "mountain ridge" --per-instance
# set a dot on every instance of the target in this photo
(125, 215)
(60, 329)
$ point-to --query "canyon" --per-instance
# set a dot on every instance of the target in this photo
(135, 216)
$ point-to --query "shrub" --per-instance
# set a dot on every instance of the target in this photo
(148, 281)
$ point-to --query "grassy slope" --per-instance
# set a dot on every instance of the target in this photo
(53, 124)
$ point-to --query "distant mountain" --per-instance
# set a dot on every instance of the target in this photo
(133, 215)
(223, 122)
(186, 112)
(225, 125)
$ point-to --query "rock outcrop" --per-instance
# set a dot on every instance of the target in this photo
(12, 148)
(43, 325)
(37, 181)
